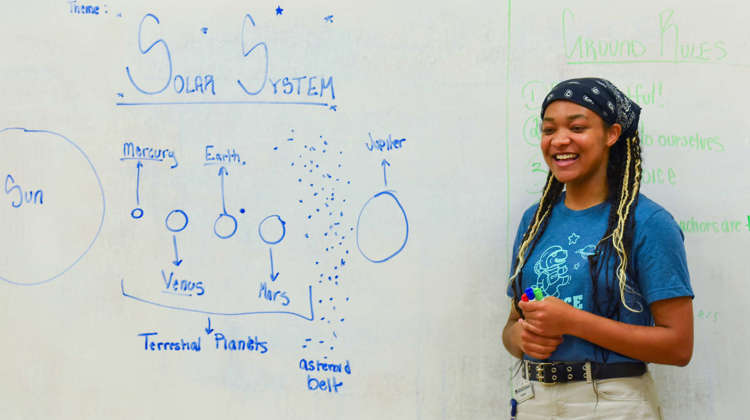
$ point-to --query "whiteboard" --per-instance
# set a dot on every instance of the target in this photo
(304, 210)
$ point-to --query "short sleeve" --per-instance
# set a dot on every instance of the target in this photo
(660, 259)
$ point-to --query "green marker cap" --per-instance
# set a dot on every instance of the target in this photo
(538, 294)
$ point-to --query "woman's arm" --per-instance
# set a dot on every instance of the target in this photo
(518, 340)
(669, 341)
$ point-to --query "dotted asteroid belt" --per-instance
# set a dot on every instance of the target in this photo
(562, 372)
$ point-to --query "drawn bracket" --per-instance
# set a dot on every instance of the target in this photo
(311, 317)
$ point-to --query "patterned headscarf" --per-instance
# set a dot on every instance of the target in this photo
(600, 96)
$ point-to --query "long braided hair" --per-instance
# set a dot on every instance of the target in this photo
(623, 181)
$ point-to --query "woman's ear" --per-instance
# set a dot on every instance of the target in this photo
(613, 133)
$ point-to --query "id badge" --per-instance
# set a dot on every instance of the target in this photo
(523, 389)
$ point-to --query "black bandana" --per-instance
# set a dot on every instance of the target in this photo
(600, 96)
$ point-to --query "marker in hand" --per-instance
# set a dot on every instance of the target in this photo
(532, 294)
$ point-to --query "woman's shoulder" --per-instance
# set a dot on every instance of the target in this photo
(528, 215)
(649, 211)
(651, 218)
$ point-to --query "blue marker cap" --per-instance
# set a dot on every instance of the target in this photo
(529, 293)
(513, 407)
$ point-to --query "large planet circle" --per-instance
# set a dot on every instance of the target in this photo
(52, 205)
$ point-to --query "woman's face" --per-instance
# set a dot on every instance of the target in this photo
(575, 143)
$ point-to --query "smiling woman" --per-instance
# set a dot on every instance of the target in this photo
(618, 255)
(575, 144)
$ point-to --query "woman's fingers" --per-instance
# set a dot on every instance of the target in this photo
(534, 326)
(530, 337)
(537, 346)
(537, 352)
(551, 316)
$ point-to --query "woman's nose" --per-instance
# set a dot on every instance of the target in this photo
(560, 138)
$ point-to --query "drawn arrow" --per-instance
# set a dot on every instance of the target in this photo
(138, 167)
(177, 261)
(222, 172)
(276, 275)
(385, 163)
(209, 330)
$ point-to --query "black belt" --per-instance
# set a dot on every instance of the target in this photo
(561, 372)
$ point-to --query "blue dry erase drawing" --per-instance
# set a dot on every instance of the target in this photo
(206, 84)
(384, 144)
(145, 51)
(138, 166)
(137, 212)
(310, 317)
(133, 151)
(386, 195)
(176, 221)
(225, 225)
(245, 53)
(273, 295)
(181, 287)
(274, 274)
(93, 10)
(39, 135)
(268, 220)
(162, 103)
(34, 197)
(177, 261)
(385, 163)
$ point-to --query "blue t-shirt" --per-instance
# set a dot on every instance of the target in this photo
(560, 267)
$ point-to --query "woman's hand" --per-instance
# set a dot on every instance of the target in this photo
(540, 333)
(549, 317)
(668, 341)
(535, 345)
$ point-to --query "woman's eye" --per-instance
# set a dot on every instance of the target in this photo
(547, 130)
(577, 128)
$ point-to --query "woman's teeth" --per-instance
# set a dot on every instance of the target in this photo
(566, 156)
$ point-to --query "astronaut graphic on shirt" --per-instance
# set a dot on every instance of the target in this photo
(552, 271)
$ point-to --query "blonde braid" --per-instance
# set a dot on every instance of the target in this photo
(531, 232)
(627, 197)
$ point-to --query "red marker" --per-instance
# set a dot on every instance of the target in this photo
(524, 297)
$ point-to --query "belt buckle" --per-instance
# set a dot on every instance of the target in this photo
(540, 374)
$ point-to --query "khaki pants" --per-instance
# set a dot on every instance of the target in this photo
(610, 399)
